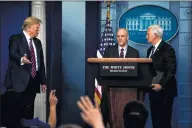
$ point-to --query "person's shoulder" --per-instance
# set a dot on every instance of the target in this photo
(112, 47)
(36, 39)
(132, 49)
(16, 36)
(167, 46)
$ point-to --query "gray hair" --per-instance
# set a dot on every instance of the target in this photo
(156, 29)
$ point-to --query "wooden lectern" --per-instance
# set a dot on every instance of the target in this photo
(122, 89)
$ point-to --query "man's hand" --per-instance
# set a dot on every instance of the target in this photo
(156, 87)
(24, 60)
(90, 114)
(53, 99)
(52, 114)
(44, 88)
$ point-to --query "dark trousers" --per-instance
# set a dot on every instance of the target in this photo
(161, 109)
(18, 105)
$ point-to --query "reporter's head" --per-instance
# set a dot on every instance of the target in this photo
(135, 115)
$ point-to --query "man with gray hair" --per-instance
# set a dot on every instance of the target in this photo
(162, 94)
(25, 73)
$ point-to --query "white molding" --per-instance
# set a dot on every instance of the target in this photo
(38, 10)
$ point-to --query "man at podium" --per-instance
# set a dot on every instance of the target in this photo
(121, 50)
(164, 89)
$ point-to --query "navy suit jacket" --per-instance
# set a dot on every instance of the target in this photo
(17, 76)
(164, 60)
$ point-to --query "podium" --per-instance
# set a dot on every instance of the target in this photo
(123, 77)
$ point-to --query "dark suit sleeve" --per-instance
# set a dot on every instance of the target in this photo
(170, 65)
(42, 66)
(13, 50)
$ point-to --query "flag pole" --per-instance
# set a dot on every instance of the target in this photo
(108, 9)
(108, 4)
(107, 39)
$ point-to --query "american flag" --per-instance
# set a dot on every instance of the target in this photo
(106, 40)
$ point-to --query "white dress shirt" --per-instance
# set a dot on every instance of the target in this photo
(124, 51)
(28, 40)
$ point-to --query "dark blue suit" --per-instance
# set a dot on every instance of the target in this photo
(18, 75)
(21, 87)
(161, 102)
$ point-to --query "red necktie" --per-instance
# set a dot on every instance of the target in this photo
(122, 53)
(33, 62)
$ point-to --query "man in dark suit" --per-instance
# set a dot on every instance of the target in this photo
(121, 50)
(162, 94)
(26, 71)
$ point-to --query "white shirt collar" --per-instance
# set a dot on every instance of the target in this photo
(125, 48)
(27, 36)
(157, 44)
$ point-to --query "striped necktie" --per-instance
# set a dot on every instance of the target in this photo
(122, 53)
(33, 61)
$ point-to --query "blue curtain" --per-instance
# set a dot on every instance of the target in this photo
(54, 43)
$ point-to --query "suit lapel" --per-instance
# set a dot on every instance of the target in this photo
(116, 52)
(149, 51)
(37, 50)
(158, 50)
(25, 45)
(127, 53)
(36, 46)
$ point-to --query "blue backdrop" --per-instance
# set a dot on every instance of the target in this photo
(80, 22)
(12, 15)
